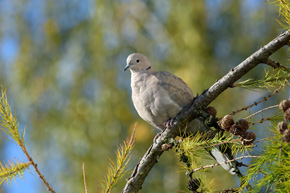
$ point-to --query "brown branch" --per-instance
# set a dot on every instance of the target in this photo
(280, 151)
(225, 162)
(272, 63)
(145, 165)
(85, 182)
(260, 111)
(49, 188)
(262, 139)
(261, 121)
(256, 103)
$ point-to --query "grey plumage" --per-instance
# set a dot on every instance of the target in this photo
(159, 96)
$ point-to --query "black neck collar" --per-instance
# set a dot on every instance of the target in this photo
(148, 68)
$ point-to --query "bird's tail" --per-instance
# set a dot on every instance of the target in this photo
(224, 160)
(222, 153)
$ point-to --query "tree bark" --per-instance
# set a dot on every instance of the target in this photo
(134, 183)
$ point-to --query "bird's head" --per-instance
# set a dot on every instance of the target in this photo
(137, 62)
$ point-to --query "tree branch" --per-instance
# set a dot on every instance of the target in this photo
(193, 110)
(218, 164)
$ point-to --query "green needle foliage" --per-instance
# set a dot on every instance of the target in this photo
(12, 170)
(118, 170)
(273, 165)
(284, 12)
(10, 126)
(272, 79)
(8, 122)
(195, 147)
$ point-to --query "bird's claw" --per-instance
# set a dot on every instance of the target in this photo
(168, 123)
(157, 136)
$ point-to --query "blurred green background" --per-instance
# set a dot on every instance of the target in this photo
(62, 62)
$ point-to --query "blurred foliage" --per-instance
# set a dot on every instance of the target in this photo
(62, 64)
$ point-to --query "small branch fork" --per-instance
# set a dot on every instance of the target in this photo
(49, 188)
(256, 103)
(261, 121)
(134, 183)
(225, 162)
(262, 110)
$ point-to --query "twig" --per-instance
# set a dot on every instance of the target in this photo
(280, 151)
(256, 103)
(49, 188)
(229, 190)
(272, 63)
(85, 183)
(240, 164)
(13, 132)
(265, 109)
(225, 162)
(285, 68)
(217, 144)
(261, 121)
(152, 155)
(259, 170)
(262, 139)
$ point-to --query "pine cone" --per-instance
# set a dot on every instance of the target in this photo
(211, 110)
(286, 135)
(287, 115)
(244, 124)
(193, 184)
(226, 122)
(183, 158)
(236, 129)
(248, 138)
(284, 105)
(282, 126)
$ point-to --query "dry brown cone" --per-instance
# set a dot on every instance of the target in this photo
(226, 122)
(287, 115)
(236, 129)
(284, 105)
(282, 126)
(244, 124)
(248, 138)
(286, 135)
(211, 110)
(193, 184)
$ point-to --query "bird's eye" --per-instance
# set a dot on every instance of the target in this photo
(138, 61)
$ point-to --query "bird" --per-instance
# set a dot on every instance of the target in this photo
(158, 96)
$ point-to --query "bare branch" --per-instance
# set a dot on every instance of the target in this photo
(49, 188)
(193, 110)
(262, 110)
(85, 182)
(218, 164)
(261, 121)
(273, 63)
(256, 103)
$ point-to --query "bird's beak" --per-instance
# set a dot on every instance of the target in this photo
(126, 68)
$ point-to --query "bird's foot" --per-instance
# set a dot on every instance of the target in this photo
(168, 123)
(157, 136)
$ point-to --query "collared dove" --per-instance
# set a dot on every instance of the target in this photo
(159, 96)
